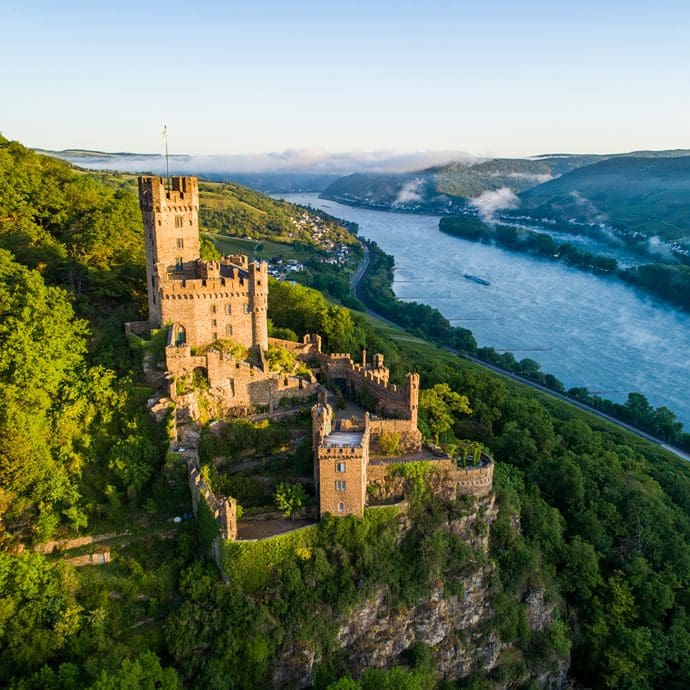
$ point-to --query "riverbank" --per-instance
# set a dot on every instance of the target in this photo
(670, 282)
(372, 285)
(586, 331)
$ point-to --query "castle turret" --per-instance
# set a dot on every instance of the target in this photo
(171, 225)
(258, 300)
(412, 384)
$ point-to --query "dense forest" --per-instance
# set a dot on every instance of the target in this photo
(596, 517)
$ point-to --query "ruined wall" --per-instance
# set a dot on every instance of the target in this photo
(224, 510)
(311, 344)
(233, 386)
(406, 429)
(365, 380)
(447, 480)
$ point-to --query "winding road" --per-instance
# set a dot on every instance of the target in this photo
(355, 285)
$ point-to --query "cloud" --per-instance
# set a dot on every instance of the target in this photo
(591, 212)
(289, 161)
(410, 191)
(537, 178)
(657, 247)
(490, 201)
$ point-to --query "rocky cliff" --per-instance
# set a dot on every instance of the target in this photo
(458, 626)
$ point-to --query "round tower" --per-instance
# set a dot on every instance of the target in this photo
(258, 300)
(413, 396)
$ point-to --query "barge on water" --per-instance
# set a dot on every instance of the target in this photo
(476, 279)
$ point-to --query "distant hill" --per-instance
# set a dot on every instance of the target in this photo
(642, 193)
(645, 192)
(436, 189)
(409, 192)
(275, 172)
(234, 210)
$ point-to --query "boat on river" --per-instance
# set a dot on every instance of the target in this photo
(476, 279)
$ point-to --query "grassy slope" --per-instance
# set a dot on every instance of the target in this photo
(232, 210)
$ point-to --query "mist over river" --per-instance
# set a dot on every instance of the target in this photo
(586, 330)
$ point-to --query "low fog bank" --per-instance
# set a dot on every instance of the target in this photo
(286, 162)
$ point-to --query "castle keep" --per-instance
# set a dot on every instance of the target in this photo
(203, 301)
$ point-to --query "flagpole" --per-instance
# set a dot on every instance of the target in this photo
(167, 162)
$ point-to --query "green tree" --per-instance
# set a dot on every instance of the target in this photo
(289, 498)
(438, 408)
(144, 673)
(39, 614)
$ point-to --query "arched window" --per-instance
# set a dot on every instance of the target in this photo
(341, 507)
(180, 335)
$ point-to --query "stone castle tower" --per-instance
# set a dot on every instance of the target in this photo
(203, 301)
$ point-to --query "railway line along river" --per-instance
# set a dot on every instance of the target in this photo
(587, 330)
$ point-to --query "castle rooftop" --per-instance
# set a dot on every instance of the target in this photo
(343, 439)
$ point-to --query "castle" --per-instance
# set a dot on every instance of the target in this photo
(207, 304)
(211, 306)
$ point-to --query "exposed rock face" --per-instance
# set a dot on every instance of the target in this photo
(457, 627)
(376, 636)
(294, 669)
(539, 613)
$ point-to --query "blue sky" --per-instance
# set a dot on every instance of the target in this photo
(489, 78)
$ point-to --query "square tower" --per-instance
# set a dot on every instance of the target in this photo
(171, 226)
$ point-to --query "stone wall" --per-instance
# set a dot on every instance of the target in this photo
(372, 380)
(99, 557)
(384, 483)
(410, 436)
(221, 301)
(224, 510)
(476, 481)
(234, 386)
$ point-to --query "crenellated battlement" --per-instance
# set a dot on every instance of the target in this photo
(373, 380)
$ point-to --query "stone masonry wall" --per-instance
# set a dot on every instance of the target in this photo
(391, 400)
(410, 436)
(449, 480)
(351, 499)
(228, 306)
(235, 385)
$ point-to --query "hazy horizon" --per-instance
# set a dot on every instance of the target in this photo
(284, 162)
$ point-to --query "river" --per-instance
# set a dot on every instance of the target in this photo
(586, 330)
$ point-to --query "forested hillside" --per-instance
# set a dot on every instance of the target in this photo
(643, 194)
(74, 439)
(595, 518)
(235, 211)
